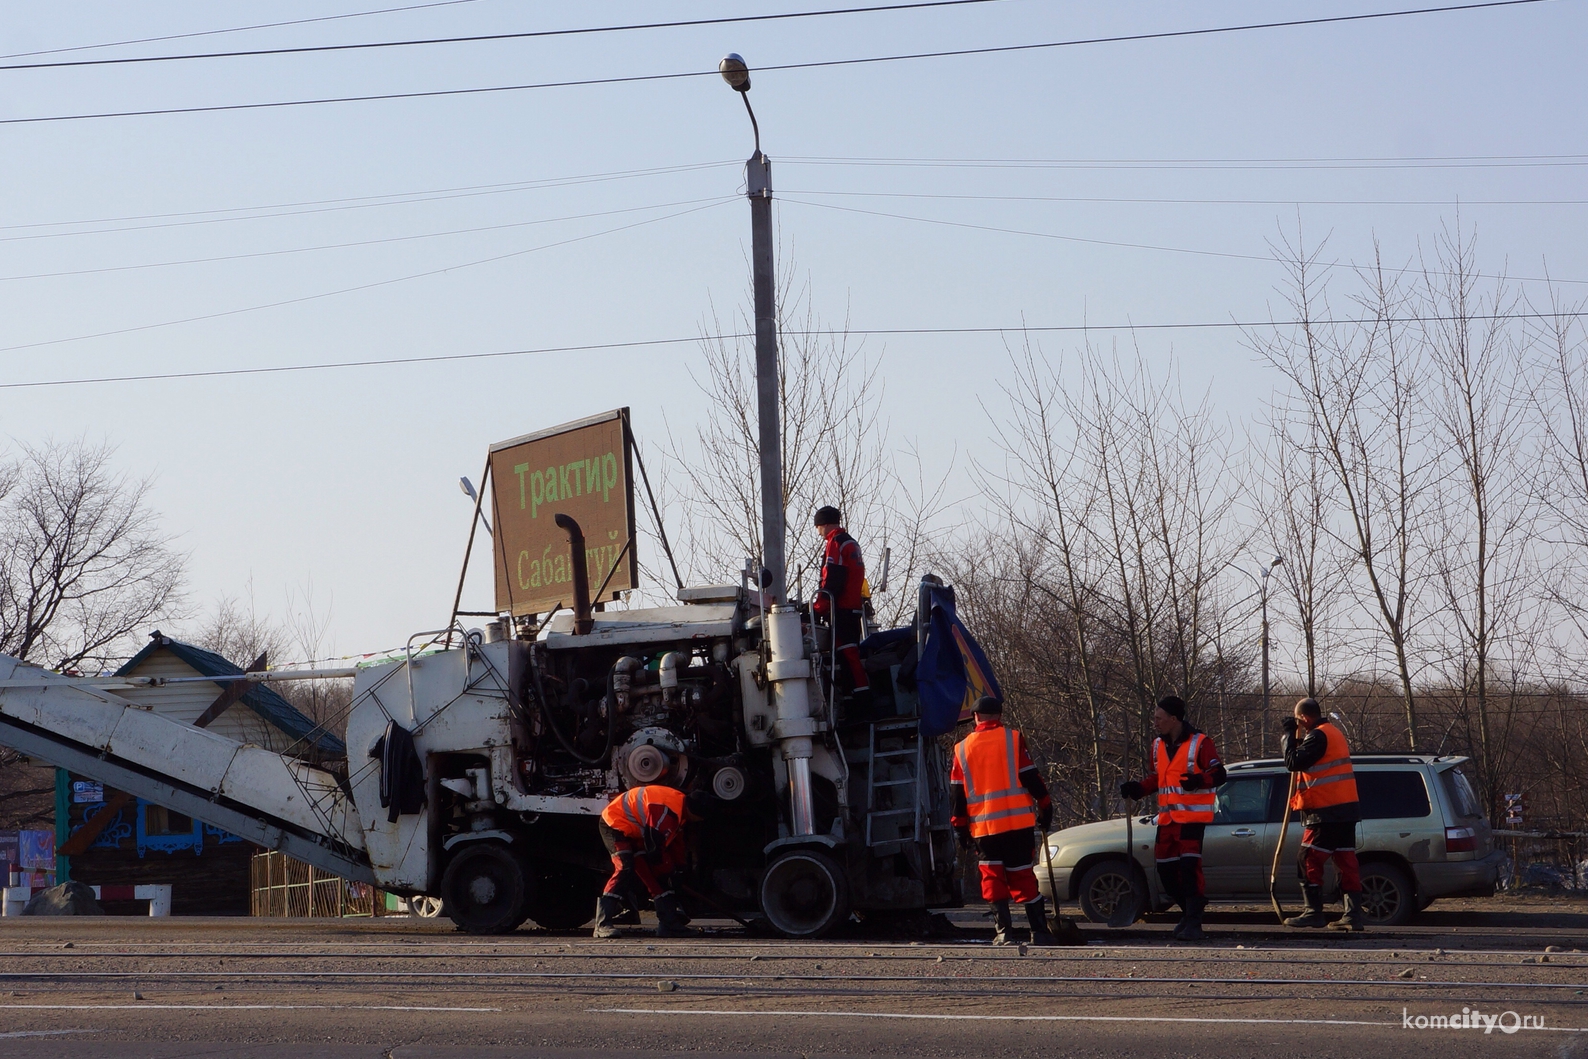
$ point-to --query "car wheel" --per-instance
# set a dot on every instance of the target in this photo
(804, 894)
(1104, 886)
(424, 907)
(1387, 895)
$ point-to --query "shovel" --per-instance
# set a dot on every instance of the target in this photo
(1126, 911)
(1063, 929)
(1279, 847)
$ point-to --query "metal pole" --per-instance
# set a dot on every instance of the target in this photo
(1266, 702)
(758, 182)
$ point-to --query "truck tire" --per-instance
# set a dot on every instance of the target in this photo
(565, 898)
(1388, 896)
(804, 894)
(1103, 886)
(485, 889)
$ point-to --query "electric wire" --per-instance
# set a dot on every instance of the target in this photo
(357, 243)
(486, 37)
(355, 202)
(1148, 246)
(1097, 199)
(851, 332)
(778, 67)
(238, 29)
(363, 286)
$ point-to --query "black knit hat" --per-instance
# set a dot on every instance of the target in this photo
(1173, 705)
(988, 706)
(827, 515)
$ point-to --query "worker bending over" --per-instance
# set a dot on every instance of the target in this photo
(998, 798)
(643, 829)
(1185, 770)
(840, 598)
(1326, 798)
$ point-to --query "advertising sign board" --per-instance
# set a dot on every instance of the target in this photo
(581, 469)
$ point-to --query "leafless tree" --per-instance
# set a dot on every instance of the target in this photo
(84, 564)
(837, 449)
(1356, 389)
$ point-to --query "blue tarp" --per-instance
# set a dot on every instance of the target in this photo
(954, 672)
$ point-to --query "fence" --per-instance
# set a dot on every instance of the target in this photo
(1551, 859)
(283, 887)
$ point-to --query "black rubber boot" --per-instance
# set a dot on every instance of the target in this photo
(1314, 916)
(1037, 916)
(672, 920)
(1190, 928)
(1355, 918)
(608, 908)
(1002, 925)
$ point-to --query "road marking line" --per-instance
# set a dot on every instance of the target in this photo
(228, 1007)
(42, 1033)
(980, 1018)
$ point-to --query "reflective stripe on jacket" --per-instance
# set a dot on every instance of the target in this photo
(996, 801)
(647, 808)
(1175, 804)
(1329, 782)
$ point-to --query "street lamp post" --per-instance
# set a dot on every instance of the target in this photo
(1263, 585)
(758, 186)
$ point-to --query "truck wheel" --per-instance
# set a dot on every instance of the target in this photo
(565, 899)
(804, 894)
(1103, 886)
(485, 889)
(1387, 895)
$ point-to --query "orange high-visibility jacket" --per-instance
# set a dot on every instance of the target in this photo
(988, 761)
(656, 808)
(1329, 782)
(1176, 805)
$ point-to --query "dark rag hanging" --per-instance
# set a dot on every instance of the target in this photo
(402, 774)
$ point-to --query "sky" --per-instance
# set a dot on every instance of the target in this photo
(1137, 182)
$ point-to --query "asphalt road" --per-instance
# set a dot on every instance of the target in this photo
(118, 988)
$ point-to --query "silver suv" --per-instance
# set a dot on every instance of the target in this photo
(1423, 836)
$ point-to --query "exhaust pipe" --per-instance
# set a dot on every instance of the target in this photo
(582, 622)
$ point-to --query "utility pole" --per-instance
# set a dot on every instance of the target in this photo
(758, 187)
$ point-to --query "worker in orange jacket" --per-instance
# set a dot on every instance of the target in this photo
(1326, 797)
(840, 598)
(1185, 770)
(998, 798)
(643, 830)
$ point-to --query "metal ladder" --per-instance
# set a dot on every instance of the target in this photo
(910, 753)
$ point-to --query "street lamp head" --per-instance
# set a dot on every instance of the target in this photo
(468, 488)
(734, 71)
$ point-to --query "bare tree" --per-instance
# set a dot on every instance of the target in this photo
(837, 449)
(84, 564)
(1356, 387)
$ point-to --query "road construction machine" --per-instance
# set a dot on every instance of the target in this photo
(480, 760)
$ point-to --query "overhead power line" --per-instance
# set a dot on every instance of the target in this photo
(813, 65)
(1189, 202)
(478, 38)
(1521, 161)
(238, 29)
(1269, 260)
(817, 332)
(361, 286)
(316, 206)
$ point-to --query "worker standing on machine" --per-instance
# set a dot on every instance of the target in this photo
(1185, 769)
(1326, 798)
(840, 598)
(998, 797)
(643, 829)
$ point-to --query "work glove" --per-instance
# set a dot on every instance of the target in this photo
(1192, 781)
(1132, 789)
(1045, 818)
(1289, 725)
(965, 841)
